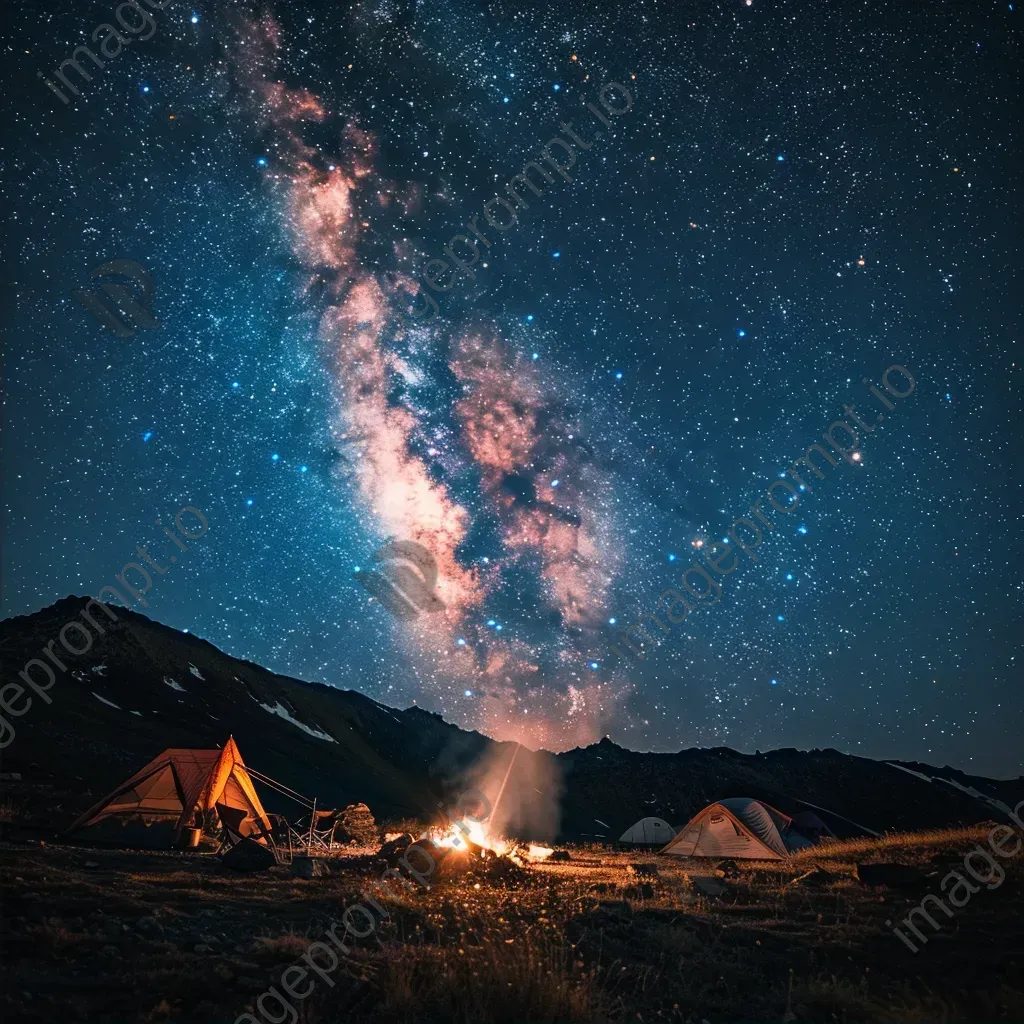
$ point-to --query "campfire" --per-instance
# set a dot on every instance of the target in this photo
(474, 838)
(467, 846)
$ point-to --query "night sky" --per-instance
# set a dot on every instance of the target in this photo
(800, 196)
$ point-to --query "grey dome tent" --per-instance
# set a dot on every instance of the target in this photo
(740, 828)
(648, 832)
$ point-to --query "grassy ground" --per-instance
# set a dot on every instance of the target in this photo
(118, 937)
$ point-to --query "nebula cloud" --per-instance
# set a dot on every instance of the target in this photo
(538, 488)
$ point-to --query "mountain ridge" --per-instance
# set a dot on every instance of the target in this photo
(143, 686)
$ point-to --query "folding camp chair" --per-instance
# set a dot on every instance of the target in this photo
(317, 829)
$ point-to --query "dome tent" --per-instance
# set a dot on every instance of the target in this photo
(648, 832)
(738, 827)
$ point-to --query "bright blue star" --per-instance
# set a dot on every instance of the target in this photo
(555, 255)
(499, 627)
(775, 682)
(618, 375)
(612, 621)
(195, 19)
(742, 334)
(594, 665)
(274, 457)
(780, 158)
(672, 557)
(801, 529)
(529, 318)
(949, 397)
(789, 576)
(504, 99)
(555, 483)
(261, 162)
(781, 618)
(235, 384)
(535, 356)
(147, 435)
(461, 642)
(491, 622)
(467, 693)
(358, 568)
(303, 469)
(248, 501)
(145, 88)
(556, 87)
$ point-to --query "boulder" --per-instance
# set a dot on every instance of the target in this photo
(393, 848)
(356, 824)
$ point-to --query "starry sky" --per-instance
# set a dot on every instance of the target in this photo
(800, 196)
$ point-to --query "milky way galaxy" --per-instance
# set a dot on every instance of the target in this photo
(789, 206)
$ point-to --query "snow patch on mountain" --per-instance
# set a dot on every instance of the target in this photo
(983, 798)
(282, 711)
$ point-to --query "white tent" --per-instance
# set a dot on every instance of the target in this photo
(739, 828)
(649, 832)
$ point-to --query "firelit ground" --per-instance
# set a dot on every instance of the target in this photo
(123, 937)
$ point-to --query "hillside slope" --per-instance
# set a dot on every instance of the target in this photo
(144, 686)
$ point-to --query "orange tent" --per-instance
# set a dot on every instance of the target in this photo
(179, 789)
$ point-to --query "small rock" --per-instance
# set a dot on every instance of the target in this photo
(149, 926)
(201, 948)
(559, 855)
(709, 886)
(644, 891)
(642, 870)
(727, 869)
(92, 864)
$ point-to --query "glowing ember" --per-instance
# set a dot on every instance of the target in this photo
(539, 852)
